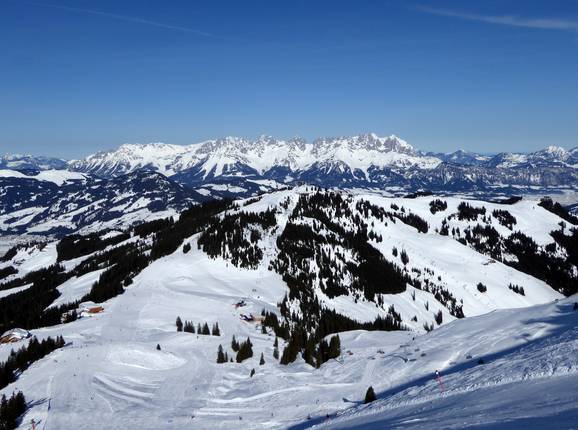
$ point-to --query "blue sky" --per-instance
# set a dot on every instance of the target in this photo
(81, 76)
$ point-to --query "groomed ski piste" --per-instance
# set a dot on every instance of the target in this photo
(511, 363)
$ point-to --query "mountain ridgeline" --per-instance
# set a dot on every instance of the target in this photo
(358, 161)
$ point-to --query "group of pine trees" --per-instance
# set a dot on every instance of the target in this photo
(325, 243)
(413, 220)
(27, 308)
(437, 205)
(517, 289)
(441, 294)
(243, 349)
(11, 409)
(505, 218)
(74, 246)
(227, 237)
(222, 357)
(189, 327)
(19, 361)
(306, 336)
(469, 212)
(313, 354)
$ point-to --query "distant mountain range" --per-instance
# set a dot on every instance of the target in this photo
(38, 193)
(60, 202)
(363, 158)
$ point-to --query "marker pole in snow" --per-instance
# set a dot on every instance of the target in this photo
(440, 382)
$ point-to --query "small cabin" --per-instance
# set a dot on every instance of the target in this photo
(15, 335)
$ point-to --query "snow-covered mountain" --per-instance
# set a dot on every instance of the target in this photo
(57, 202)
(31, 162)
(461, 157)
(364, 161)
(408, 283)
(548, 156)
(215, 157)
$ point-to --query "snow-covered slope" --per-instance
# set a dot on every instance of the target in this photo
(528, 376)
(298, 254)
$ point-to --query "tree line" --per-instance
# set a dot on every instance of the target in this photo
(189, 327)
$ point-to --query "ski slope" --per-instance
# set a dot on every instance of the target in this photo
(529, 379)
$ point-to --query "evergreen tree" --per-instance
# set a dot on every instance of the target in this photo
(276, 353)
(216, 331)
(439, 317)
(221, 358)
(245, 351)
(252, 373)
(276, 343)
(179, 324)
(291, 350)
(262, 360)
(234, 344)
(369, 395)
(309, 354)
(404, 257)
(158, 347)
(199, 329)
(334, 347)
(11, 409)
(189, 327)
(322, 352)
(206, 330)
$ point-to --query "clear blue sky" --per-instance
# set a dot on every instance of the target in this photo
(81, 76)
